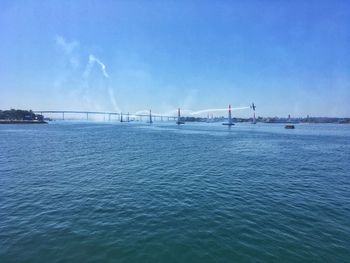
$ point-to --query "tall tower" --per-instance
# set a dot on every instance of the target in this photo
(253, 108)
(229, 123)
(150, 116)
(179, 117)
(121, 117)
(229, 115)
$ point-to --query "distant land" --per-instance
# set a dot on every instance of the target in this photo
(28, 116)
(20, 117)
(335, 120)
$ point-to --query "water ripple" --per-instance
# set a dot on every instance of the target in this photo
(85, 192)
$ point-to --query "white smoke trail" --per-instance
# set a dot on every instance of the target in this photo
(112, 98)
(167, 113)
(216, 110)
(92, 61)
(146, 112)
(142, 112)
(185, 112)
(67, 47)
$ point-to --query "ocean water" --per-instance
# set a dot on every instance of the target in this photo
(111, 192)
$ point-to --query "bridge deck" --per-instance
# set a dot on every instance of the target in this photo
(102, 113)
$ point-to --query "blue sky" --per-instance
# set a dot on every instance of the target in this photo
(289, 57)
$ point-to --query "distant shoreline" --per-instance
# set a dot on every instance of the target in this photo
(20, 117)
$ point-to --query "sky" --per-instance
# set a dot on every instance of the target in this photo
(288, 57)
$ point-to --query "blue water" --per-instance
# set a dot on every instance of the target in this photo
(99, 192)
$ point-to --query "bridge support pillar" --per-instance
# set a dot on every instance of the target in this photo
(62, 115)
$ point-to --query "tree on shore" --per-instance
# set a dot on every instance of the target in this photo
(14, 114)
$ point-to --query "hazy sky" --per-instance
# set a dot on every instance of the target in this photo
(286, 56)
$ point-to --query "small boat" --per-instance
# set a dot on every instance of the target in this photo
(289, 126)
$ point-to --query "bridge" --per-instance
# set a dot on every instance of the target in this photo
(122, 117)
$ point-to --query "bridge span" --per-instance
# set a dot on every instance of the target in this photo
(122, 117)
(125, 117)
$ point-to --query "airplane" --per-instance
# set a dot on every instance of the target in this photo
(253, 107)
